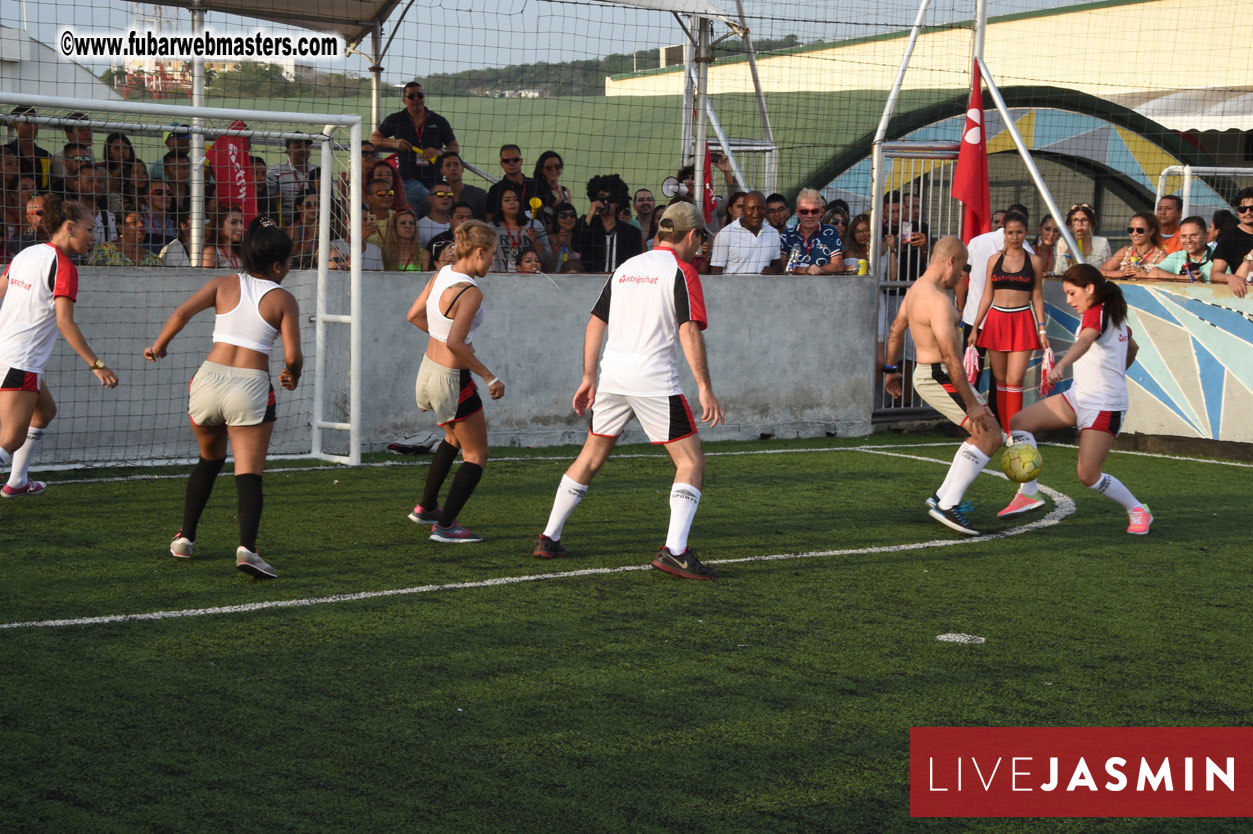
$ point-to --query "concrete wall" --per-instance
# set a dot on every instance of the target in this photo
(788, 357)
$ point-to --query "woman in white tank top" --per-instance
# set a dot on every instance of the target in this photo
(231, 397)
(450, 309)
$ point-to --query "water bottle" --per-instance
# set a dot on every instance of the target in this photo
(794, 258)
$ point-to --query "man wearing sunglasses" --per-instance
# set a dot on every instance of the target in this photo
(378, 200)
(1235, 245)
(79, 136)
(437, 220)
(418, 135)
(812, 248)
(511, 164)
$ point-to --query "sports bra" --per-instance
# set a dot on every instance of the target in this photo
(244, 327)
(439, 324)
(1023, 279)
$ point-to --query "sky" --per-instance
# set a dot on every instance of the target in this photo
(454, 35)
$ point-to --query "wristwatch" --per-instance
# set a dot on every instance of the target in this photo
(98, 364)
(891, 369)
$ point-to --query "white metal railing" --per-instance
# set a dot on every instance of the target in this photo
(1189, 173)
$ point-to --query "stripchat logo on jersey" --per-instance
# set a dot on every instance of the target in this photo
(1081, 771)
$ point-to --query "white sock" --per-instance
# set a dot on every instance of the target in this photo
(1112, 488)
(1020, 436)
(967, 464)
(684, 499)
(569, 494)
(22, 457)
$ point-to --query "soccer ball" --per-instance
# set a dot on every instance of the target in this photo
(1021, 463)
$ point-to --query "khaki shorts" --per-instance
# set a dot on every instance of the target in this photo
(449, 392)
(222, 395)
(934, 385)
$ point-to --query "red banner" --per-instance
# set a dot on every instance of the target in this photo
(231, 163)
(970, 180)
(1081, 771)
(709, 203)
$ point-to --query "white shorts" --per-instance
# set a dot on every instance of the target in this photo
(1094, 419)
(663, 418)
(449, 392)
(222, 395)
(935, 386)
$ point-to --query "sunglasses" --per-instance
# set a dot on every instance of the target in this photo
(1136, 230)
(309, 205)
(157, 193)
(553, 167)
(1080, 205)
(36, 212)
(510, 160)
(387, 193)
(441, 193)
(809, 211)
(1244, 209)
(81, 158)
(415, 96)
(566, 215)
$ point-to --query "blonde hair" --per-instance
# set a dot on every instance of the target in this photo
(471, 235)
(393, 255)
(810, 194)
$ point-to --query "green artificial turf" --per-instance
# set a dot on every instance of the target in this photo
(778, 698)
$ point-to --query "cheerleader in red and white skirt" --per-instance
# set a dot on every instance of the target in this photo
(1096, 402)
(37, 298)
(1011, 317)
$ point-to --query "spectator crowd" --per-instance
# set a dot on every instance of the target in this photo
(413, 200)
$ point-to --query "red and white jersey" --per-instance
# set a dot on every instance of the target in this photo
(643, 303)
(1101, 373)
(28, 316)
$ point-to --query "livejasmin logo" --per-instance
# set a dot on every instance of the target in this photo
(1081, 771)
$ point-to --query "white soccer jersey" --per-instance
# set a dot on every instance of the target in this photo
(1101, 373)
(643, 304)
(28, 316)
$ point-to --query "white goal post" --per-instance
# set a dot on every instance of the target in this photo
(126, 439)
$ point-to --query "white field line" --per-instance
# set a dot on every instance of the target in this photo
(1063, 506)
(1183, 458)
(516, 459)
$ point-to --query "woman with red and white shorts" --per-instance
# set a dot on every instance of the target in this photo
(37, 298)
(1011, 317)
(1096, 402)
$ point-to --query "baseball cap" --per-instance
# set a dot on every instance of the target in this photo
(680, 218)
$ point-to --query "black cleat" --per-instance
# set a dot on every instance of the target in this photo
(955, 518)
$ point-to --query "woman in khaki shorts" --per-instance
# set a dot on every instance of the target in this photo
(450, 309)
(231, 397)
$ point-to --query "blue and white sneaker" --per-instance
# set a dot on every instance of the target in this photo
(954, 518)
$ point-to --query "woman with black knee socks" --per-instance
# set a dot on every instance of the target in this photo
(231, 397)
(450, 309)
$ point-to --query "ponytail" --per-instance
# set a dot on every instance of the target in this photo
(57, 212)
(1105, 292)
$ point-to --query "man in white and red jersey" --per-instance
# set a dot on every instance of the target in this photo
(651, 303)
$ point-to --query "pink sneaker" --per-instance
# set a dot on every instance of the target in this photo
(31, 488)
(1141, 521)
(1021, 504)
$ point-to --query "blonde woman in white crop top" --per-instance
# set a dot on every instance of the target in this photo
(231, 397)
(450, 309)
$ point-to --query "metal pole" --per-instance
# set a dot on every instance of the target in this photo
(895, 94)
(689, 100)
(354, 302)
(1187, 191)
(876, 208)
(702, 101)
(323, 267)
(1025, 153)
(195, 237)
(725, 143)
(376, 75)
(752, 67)
(981, 28)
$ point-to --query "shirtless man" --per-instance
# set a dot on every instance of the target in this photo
(939, 379)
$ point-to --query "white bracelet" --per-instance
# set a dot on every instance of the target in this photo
(489, 383)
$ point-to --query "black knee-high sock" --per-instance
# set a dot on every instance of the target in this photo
(463, 485)
(199, 486)
(441, 462)
(249, 499)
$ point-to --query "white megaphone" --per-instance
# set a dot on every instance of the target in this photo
(671, 187)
